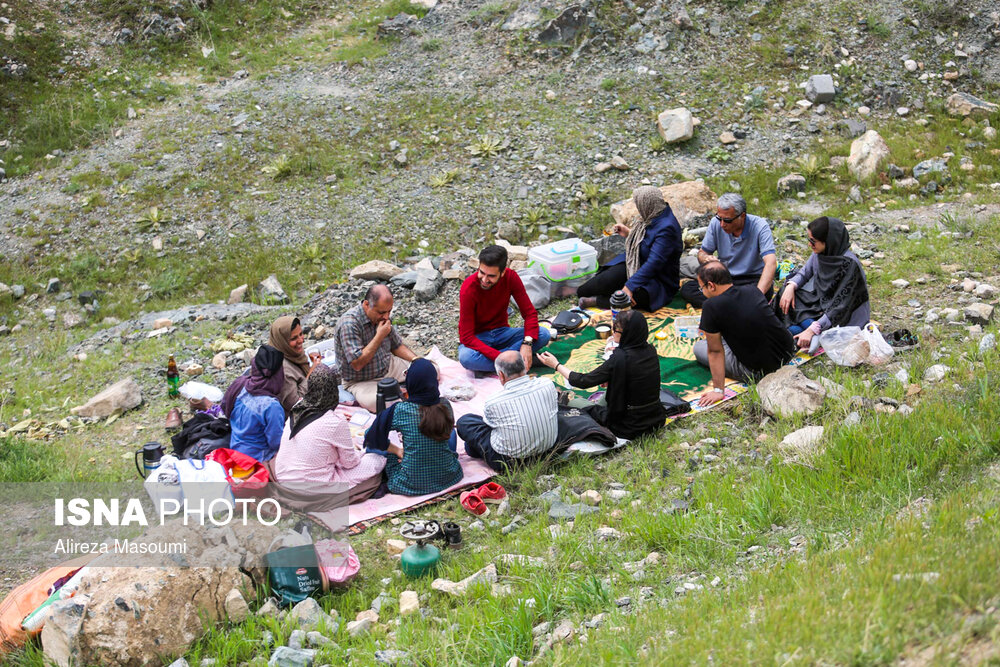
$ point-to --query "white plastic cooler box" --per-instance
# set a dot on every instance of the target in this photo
(565, 264)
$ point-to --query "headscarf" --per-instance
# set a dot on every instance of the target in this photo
(840, 281)
(649, 202)
(266, 378)
(281, 332)
(421, 388)
(633, 350)
(422, 383)
(322, 395)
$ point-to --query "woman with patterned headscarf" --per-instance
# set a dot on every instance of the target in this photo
(286, 336)
(649, 269)
(316, 446)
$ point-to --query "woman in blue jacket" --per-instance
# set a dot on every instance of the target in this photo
(649, 269)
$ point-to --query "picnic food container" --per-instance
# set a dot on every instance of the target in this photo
(569, 259)
(686, 327)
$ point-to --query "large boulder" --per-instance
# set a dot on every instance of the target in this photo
(691, 201)
(964, 104)
(675, 125)
(376, 269)
(565, 27)
(271, 291)
(136, 615)
(429, 282)
(122, 395)
(788, 392)
(868, 152)
(608, 247)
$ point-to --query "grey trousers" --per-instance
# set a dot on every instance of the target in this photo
(734, 369)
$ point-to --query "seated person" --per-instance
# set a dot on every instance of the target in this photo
(839, 295)
(427, 462)
(369, 348)
(649, 269)
(483, 331)
(745, 247)
(518, 424)
(286, 337)
(251, 404)
(316, 446)
(632, 374)
(744, 339)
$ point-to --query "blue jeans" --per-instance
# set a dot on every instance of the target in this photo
(502, 339)
(796, 329)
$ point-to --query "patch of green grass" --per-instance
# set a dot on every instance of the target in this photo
(430, 45)
(608, 84)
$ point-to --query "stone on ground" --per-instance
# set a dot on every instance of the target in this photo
(376, 269)
(409, 602)
(805, 440)
(787, 392)
(792, 183)
(820, 89)
(964, 104)
(487, 575)
(271, 290)
(122, 395)
(979, 313)
(236, 294)
(675, 125)
(285, 656)
(236, 607)
(429, 282)
(689, 201)
(868, 152)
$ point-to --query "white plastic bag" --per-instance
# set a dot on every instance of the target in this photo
(845, 345)
(880, 352)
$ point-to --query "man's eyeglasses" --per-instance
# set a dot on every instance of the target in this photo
(726, 221)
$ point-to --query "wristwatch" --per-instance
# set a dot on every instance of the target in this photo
(528, 340)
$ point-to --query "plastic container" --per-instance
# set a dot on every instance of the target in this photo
(567, 260)
(324, 349)
(686, 327)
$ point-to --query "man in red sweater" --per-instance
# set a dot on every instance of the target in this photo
(482, 316)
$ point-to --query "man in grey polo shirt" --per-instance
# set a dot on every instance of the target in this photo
(745, 247)
(518, 424)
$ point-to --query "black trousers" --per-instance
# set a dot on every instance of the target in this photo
(691, 293)
(606, 281)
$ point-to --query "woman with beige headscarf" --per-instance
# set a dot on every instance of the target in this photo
(649, 269)
(286, 336)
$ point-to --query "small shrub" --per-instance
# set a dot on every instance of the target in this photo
(488, 145)
(609, 84)
(718, 154)
(430, 45)
(657, 143)
(445, 178)
(279, 168)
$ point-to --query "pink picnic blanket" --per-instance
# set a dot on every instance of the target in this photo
(453, 378)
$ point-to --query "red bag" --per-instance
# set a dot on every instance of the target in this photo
(247, 476)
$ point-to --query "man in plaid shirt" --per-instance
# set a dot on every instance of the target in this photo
(369, 348)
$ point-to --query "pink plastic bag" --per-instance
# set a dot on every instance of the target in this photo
(339, 562)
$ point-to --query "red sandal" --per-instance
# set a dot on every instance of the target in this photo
(473, 503)
(492, 493)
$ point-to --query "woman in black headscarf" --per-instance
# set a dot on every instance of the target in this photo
(632, 374)
(251, 404)
(830, 290)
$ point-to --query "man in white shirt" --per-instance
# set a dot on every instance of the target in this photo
(518, 424)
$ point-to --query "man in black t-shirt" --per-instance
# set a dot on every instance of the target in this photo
(743, 337)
